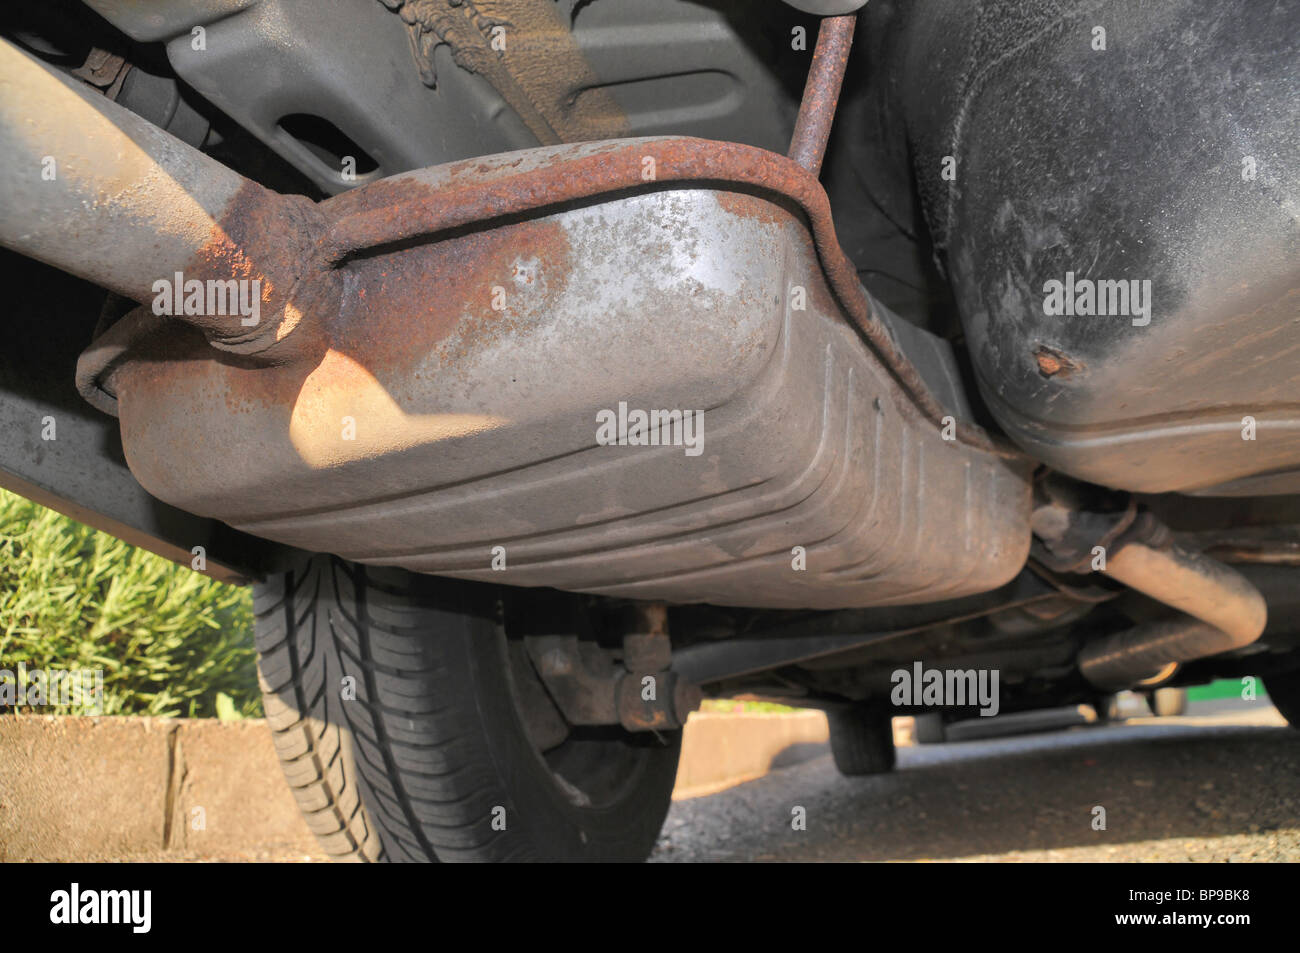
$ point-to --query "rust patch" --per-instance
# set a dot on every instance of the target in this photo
(748, 206)
(527, 52)
(1055, 363)
(477, 287)
(260, 236)
(400, 307)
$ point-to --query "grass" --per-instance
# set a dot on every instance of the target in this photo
(735, 706)
(169, 641)
(1224, 688)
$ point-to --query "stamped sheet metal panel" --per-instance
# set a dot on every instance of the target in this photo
(458, 406)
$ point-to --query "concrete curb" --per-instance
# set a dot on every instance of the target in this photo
(720, 749)
(92, 788)
(108, 788)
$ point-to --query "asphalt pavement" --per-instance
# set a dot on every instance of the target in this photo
(1220, 784)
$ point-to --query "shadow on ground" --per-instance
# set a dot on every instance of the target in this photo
(1177, 789)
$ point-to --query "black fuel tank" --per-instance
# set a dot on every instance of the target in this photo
(1119, 221)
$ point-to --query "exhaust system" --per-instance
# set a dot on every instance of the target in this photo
(431, 353)
(92, 188)
(1221, 610)
(130, 203)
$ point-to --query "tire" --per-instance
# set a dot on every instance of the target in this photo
(1168, 702)
(1284, 692)
(929, 729)
(432, 755)
(862, 740)
(1106, 708)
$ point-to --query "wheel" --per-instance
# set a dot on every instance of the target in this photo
(395, 706)
(928, 729)
(862, 740)
(1106, 708)
(1167, 702)
(1284, 692)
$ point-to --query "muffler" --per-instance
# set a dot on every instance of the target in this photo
(638, 367)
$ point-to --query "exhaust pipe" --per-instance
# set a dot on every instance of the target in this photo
(1226, 612)
(1222, 610)
(1217, 595)
(88, 186)
(1147, 652)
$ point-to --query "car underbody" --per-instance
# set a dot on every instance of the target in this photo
(586, 306)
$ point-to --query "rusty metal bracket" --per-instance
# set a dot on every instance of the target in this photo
(580, 676)
(812, 128)
(651, 697)
(590, 688)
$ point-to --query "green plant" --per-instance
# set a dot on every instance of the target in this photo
(733, 706)
(169, 640)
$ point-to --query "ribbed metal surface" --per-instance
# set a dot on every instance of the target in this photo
(477, 429)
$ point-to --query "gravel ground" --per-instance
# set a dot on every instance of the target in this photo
(1216, 787)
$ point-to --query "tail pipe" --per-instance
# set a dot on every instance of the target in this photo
(1221, 610)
